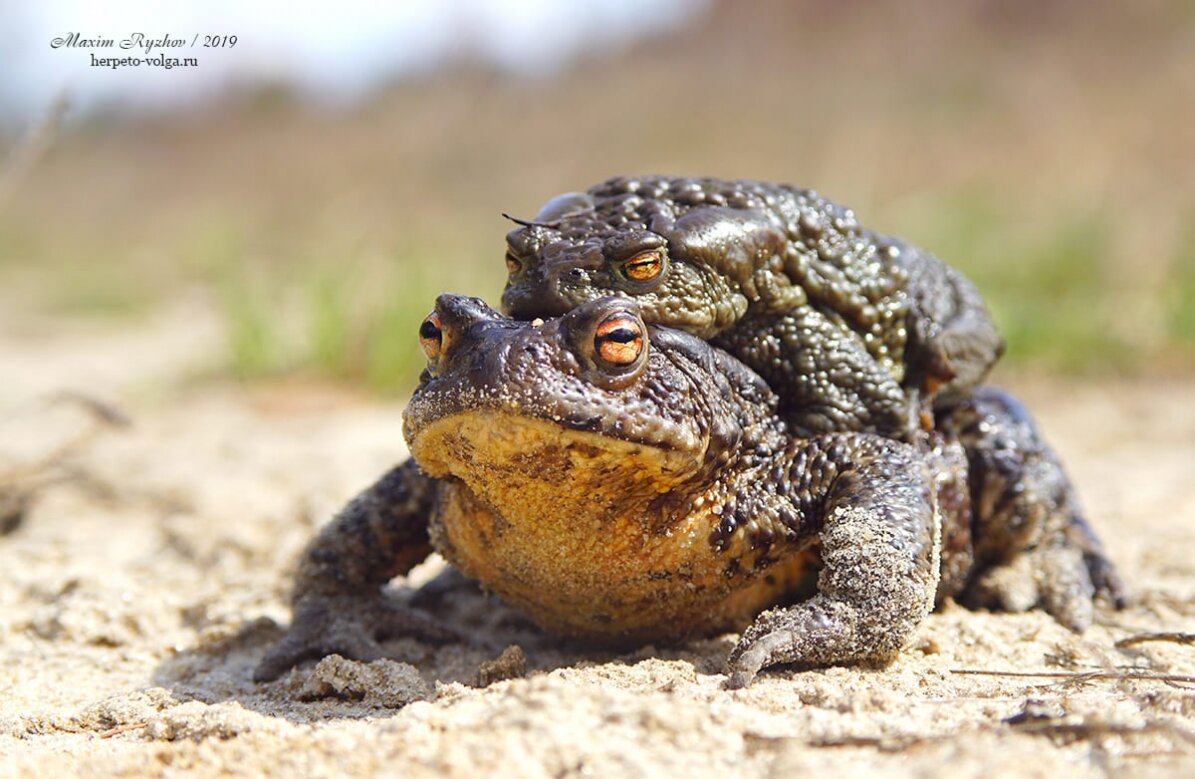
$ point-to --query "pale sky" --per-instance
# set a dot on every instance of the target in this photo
(332, 51)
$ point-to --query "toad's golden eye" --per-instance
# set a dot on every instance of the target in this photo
(513, 264)
(431, 337)
(644, 266)
(619, 339)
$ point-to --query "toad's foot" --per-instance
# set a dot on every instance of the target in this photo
(1055, 578)
(349, 625)
(809, 635)
(1105, 579)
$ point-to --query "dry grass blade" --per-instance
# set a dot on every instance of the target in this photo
(1082, 676)
(20, 486)
(123, 729)
(1075, 731)
(31, 147)
(1173, 638)
(101, 410)
(889, 743)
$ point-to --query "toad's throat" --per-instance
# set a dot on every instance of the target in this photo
(531, 466)
(579, 529)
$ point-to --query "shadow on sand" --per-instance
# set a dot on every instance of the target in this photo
(219, 666)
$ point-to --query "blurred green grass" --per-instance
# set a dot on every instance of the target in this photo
(353, 321)
(1181, 307)
(1051, 289)
(1042, 148)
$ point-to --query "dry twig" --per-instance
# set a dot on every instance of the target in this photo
(1174, 638)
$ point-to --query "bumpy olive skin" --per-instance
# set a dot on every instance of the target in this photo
(1033, 545)
(892, 524)
(852, 329)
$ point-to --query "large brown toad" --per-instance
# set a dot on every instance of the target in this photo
(629, 483)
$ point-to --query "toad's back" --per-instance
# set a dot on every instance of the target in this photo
(852, 329)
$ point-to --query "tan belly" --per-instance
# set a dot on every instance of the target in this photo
(614, 582)
(568, 526)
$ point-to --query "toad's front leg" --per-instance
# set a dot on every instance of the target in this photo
(870, 503)
(337, 601)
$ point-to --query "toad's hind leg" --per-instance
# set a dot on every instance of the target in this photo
(870, 503)
(1033, 546)
(337, 600)
(953, 342)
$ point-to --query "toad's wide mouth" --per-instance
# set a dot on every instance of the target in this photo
(527, 464)
(541, 401)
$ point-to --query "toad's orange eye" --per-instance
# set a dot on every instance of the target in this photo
(619, 339)
(513, 264)
(644, 266)
(431, 337)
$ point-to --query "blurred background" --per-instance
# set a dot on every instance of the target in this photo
(291, 205)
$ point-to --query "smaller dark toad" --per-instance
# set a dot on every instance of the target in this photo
(629, 483)
(853, 330)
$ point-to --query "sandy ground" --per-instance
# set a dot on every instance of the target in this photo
(150, 569)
